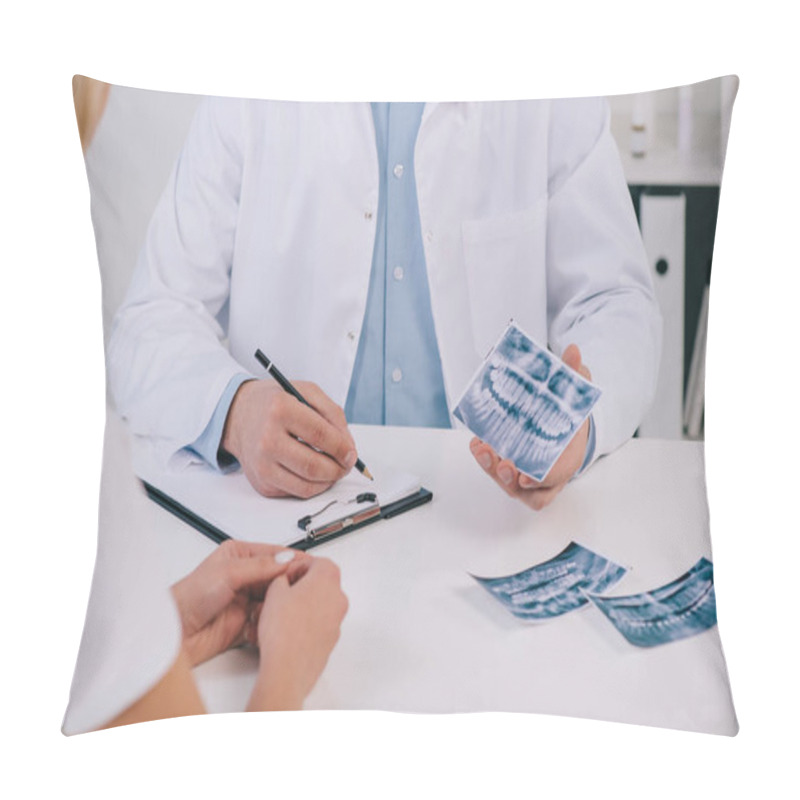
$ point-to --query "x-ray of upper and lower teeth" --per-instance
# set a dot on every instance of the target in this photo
(526, 403)
(575, 578)
(553, 587)
(682, 608)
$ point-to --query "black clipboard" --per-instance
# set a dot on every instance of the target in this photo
(313, 537)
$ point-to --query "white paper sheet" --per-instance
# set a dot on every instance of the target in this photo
(230, 503)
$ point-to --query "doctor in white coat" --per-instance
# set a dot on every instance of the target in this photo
(379, 252)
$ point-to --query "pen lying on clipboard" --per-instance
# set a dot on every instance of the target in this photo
(286, 385)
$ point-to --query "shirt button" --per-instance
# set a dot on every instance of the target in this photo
(398, 273)
(398, 170)
(397, 374)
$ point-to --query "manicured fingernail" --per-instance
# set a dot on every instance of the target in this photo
(525, 482)
(284, 557)
(350, 459)
(485, 460)
(505, 475)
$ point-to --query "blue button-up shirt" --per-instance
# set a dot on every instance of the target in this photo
(397, 378)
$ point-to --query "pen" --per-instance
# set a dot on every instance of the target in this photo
(286, 385)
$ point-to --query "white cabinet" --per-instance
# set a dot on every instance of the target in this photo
(662, 219)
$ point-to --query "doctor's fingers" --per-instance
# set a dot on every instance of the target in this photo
(502, 471)
(306, 462)
(508, 478)
(573, 359)
(325, 406)
(534, 494)
(483, 454)
(306, 424)
(272, 479)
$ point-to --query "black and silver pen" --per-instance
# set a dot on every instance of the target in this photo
(286, 385)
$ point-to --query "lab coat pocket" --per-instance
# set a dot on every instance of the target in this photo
(504, 261)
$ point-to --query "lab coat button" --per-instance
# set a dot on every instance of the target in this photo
(398, 170)
(367, 215)
(397, 374)
(351, 335)
(398, 273)
(429, 236)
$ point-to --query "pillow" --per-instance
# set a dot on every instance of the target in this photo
(380, 252)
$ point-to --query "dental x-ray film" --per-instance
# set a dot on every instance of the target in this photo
(682, 608)
(556, 586)
(526, 403)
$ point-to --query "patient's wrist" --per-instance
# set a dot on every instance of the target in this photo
(275, 691)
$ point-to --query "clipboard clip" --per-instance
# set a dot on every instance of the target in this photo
(336, 526)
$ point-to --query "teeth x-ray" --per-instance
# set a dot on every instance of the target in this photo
(526, 403)
(685, 607)
(556, 586)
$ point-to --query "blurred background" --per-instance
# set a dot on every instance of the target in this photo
(672, 144)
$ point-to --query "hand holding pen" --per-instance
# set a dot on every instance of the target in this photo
(284, 383)
(263, 429)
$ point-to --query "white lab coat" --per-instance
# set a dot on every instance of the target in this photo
(264, 237)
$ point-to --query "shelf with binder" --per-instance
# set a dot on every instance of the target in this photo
(678, 223)
(672, 144)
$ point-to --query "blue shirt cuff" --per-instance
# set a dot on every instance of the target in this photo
(209, 444)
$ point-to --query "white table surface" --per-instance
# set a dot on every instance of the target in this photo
(422, 636)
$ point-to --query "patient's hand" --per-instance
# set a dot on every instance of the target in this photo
(297, 629)
(219, 602)
(263, 426)
(533, 493)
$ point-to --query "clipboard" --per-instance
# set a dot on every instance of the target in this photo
(312, 535)
(225, 506)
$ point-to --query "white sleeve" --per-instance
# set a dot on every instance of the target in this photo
(600, 292)
(167, 366)
(132, 632)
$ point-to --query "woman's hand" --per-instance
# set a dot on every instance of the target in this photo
(220, 600)
(297, 629)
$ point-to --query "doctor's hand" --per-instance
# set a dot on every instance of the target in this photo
(537, 494)
(220, 601)
(262, 430)
(297, 630)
